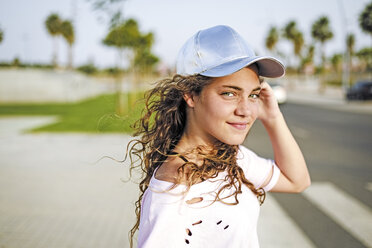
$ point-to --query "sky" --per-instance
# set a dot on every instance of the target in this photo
(172, 22)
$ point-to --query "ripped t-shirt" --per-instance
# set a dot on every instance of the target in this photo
(170, 218)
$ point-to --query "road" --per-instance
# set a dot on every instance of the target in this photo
(337, 146)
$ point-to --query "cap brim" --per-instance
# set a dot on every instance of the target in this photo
(267, 67)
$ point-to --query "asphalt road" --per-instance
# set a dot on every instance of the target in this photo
(337, 146)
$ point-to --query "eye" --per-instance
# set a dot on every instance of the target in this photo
(229, 94)
(254, 96)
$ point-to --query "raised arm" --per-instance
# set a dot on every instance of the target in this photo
(294, 176)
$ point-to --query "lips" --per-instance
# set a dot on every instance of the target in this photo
(238, 125)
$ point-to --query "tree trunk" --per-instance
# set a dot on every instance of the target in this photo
(120, 95)
(55, 52)
(70, 57)
(322, 54)
(321, 89)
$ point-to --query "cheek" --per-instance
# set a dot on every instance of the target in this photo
(213, 107)
(213, 115)
(255, 108)
(221, 110)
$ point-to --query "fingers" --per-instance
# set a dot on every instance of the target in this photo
(268, 104)
(264, 84)
(266, 88)
(266, 91)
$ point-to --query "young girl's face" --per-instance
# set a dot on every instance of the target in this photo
(226, 108)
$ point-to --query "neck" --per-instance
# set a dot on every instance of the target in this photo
(191, 140)
(192, 137)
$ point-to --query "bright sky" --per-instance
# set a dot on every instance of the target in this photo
(172, 21)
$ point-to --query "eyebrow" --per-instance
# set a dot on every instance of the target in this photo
(240, 89)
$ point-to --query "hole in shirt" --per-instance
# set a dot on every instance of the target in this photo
(219, 222)
(226, 227)
(187, 241)
(194, 200)
(197, 223)
(188, 232)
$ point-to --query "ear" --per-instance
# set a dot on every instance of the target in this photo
(189, 99)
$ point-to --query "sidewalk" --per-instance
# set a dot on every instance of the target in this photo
(53, 194)
(331, 99)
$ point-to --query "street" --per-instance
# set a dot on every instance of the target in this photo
(337, 146)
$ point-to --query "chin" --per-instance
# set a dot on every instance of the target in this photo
(236, 141)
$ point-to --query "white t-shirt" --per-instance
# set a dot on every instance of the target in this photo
(167, 221)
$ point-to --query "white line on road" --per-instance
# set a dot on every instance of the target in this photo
(352, 215)
(277, 229)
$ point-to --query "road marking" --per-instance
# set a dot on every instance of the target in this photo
(369, 186)
(348, 212)
(277, 229)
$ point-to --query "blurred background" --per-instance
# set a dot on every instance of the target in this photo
(72, 78)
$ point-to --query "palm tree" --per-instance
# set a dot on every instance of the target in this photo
(365, 56)
(67, 31)
(272, 39)
(53, 25)
(336, 61)
(298, 44)
(350, 42)
(321, 31)
(365, 19)
(307, 61)
(294, 35)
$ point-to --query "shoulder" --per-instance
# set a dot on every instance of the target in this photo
(255, 168)
(245, 153)
(168, 171)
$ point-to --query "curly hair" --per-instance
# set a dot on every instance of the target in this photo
(160, 129)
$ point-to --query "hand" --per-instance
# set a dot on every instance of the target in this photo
(294, 176)
(269, 108)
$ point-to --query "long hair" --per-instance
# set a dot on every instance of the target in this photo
(160, 129)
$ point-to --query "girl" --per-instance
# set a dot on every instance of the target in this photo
(201, 187)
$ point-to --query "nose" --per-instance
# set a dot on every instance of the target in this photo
(244, 107)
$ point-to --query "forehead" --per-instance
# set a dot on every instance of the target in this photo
(246, 79)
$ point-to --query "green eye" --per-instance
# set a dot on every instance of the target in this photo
(254, 96)
(230, 94)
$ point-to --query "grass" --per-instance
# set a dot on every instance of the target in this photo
(94, 115)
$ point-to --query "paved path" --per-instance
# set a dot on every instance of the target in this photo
(53, 195)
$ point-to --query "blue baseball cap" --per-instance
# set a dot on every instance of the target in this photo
(220, 51)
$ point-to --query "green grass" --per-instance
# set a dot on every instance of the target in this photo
(94, 115)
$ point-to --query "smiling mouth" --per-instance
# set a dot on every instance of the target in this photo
(239, 126)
